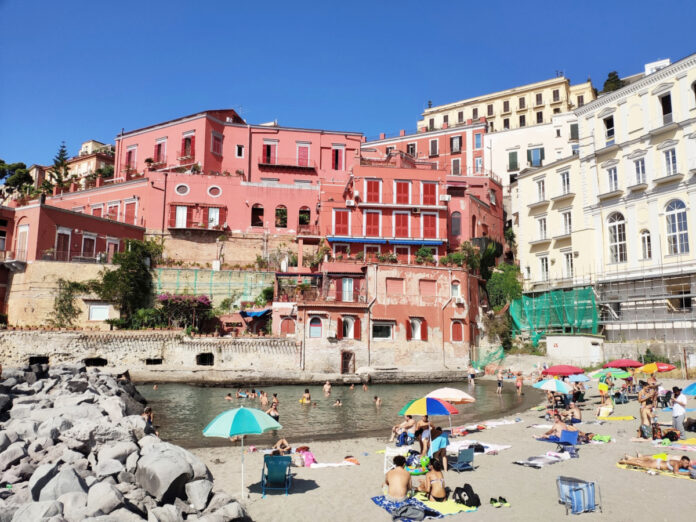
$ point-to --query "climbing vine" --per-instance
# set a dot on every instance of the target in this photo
(65, 311)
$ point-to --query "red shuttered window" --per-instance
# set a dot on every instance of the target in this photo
(130, 213)
(356, 329)
(429, 193)
(401, 225)
(302, 155)
(341, 223)
(372, 224)
(402, 192)
(457, 332)
(429, 226)
(373, 191)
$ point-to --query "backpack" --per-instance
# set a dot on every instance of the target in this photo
(401, 440)
(467, 496)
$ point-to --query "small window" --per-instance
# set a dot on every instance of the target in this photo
(431, 124)
(153, 362)
(609, 130)
(522, 103)
(670, 162)
(666, 106)
(581, 100)
(257, 215)
(558, 133)
(95, 361)
(556, 95)
(506, 106)
(567, 222)
(456, 144)
(573, 131)
(98, 312)
(182, 189)
(456, 289)
(347, 327)
(460, 115)
(523, 120)
(411, 149)
(389, 150)
(613, 179)
(382, 331)
(456, 167)
(304, 216)
(541, 228)
(506, 123)
(337, 158)
(214, 191)
(315, 327)
(617, 238)
(474, 114)
(205, 359)
(640, 170)
(512, 161)
(540, 117)
(544, 268)
(239, 151)
(281, 217)
(568, 264)
(445, 119)
(541, 190)
(539, 100)
(489, 109)
(434, 147)
(646, 244)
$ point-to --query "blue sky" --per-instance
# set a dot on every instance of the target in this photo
(75, 70)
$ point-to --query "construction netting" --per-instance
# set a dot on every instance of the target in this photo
(493, 356)
(568, 311)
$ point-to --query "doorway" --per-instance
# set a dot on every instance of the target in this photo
(347, 362)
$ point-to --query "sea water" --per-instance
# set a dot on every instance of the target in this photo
(181, 411)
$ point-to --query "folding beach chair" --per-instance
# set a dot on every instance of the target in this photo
(578, 496)
(567, 442)
(389, 454)
(276, 473)
(465, 460)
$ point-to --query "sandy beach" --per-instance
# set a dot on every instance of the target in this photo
(344, 493)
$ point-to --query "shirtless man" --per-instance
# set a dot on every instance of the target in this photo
(406, 426)
(499, 389)
(282, 446)
(675, 464)
(646, 416)
(423, 427)
(398, 481)
(472, 374)
(327, 388)
(264, 399)
(557, 428)
(573, 413)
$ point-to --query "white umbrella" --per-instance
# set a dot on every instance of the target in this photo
(553, 385)
(451, 395)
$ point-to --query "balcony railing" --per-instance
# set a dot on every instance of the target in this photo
(295, 163)
(14, 255)
(317, 295)
(66, 256)
(308, 230)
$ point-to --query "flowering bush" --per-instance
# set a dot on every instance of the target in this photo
(181, 310)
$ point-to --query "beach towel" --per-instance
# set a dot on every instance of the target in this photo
(600, 439)
(653, 471)
(494, 423)
(540, 461)
(489, 449)
(537, 408)
(390, 507)
(625, 418)
(331, 464)
(448, 507)
(541, 426)
(670, 409)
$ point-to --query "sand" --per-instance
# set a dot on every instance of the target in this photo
(344, 493)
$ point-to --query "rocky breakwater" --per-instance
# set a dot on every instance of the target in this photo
(74, 447)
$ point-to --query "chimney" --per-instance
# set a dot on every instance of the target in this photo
(402, 132)
(381, 135)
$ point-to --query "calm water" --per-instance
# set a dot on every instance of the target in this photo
(182, 411)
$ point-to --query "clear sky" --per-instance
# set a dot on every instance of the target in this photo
(75, 70)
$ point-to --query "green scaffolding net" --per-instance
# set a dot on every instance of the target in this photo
(568, 311)
(497, 354)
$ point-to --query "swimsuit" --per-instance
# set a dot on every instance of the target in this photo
(500, 384)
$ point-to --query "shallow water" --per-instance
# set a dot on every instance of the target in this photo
(182, 411)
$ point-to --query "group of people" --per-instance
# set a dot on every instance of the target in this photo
(648, 399)
(399, 486)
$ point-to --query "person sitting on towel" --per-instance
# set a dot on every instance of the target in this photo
(675, 464)
(434, 482)
(283, 447)
(398, 481)
(558, 427)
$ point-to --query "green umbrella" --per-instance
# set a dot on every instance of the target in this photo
(616, 373)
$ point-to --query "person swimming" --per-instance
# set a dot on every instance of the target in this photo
(377, 401)
(273, 412)
(338, 403)
(228, 397)
(306, 397)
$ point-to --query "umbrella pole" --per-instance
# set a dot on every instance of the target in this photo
(242, 467)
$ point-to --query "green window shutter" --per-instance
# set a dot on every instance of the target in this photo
(541, 154)
(529, 156)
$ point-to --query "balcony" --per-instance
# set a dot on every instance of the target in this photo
(564, 235)
(198, 226)
(610, 195)
(638, 187)
(540, 241)
(308, 232)
(319, 297)
(538, 204)
(65, 256)
(563, 197)
(287, 163)
(667, 126)
(671, 178)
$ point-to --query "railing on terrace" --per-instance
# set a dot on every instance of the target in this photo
(317, 295)
(308, 230)
(72, 257)
(296, 163)
(12, 255)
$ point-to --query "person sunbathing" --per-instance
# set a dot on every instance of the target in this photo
(556, 429)
(397, 480)
(572, 414)
(407, 425)
(677, 465)
(282, 447)
(434, 482)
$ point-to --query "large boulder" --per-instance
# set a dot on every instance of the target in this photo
(12, 455)
(108, 467)
(88, 434)
(4, 441)
(103, 498)
(77, 385)
(53, 426)
(24, 428)
(65, 481)
(163, 474)
(114, 407)
(35, 511)
(198, 493)
(74, 505)
(5, 402)
(119, 451)
(169, 513)
(200, 470)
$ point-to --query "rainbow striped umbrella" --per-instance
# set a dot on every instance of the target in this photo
(428, 406)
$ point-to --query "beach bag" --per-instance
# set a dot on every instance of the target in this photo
(673, 436)
(401, 439)
(645, 431)
(408, 511)
(467, 496)
(298, 460)
(479, 448)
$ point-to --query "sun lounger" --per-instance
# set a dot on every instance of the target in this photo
(578, 496)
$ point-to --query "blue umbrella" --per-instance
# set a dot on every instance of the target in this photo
(240, 421)
(690, 389)
(580, 377)
(553, 385)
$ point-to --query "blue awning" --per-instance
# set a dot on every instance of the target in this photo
(366, 240)
(426, 242)
(258, 313)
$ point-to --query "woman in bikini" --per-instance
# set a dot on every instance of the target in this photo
(434, 482)
(273, 412)
(673, 463)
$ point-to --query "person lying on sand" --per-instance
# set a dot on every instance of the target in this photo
(283, 447)
(674, 463)
(407, 425)
(398, 481)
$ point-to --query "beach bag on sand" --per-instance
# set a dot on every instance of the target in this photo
(298, 460)
(466, 496)
(402, 439)
(408, 511)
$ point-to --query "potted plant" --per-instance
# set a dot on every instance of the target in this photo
(149, 162)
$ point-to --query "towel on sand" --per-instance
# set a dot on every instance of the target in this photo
(625, 418)
(653, 471)
(331, 464)
(390, 506)
(454, 446)
(448, 507)
(551, 457)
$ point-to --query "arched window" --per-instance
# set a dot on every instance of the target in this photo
(617, 238)
(315, 327)
(304, 216)
(456, 224)
(677, 232)
(281, 216)
(257, 215)
(348, 327)
(646, 244)
(457, 332)
(287, 326)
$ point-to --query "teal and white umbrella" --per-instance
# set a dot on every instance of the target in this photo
(580, 377)
(241, 421)
(553, 385)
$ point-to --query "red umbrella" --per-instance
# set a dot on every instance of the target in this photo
(623, 363)
(563, 369)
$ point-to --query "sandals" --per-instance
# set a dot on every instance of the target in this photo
(495, 503)
(503, 502)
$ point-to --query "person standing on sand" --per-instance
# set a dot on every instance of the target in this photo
(472, 374)
(678, 409)
(397, 481)
(499, 390)
(518, 383)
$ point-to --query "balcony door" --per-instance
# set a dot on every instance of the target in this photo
(181, 213)
(347, 290)
(22, 241)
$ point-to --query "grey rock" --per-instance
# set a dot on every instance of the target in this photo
(119, 515)
(24, 428)
(103, 498)
(163, 474)
(86, 435)
(24, 470)
(37, 511)
(37, 386)
(132, 462)
(74, 505)
(199, 469)
(231, 511)
(114, 407)
(5, 402)
(12, 455)
(4, 441)
(198, 493)
(168, 513)
(219, 500)
(76, 385)
(125, 487)
(125, 476)
(30, 377)
(119, 451)
(65, 481)
(23, 389)
(136, 424)
(185, 507)
(91, 480)
(52, 427)
(147, 441)
(107, 467)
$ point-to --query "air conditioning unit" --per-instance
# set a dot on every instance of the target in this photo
(415, 211)
(350, 203)
(459, 300)
(356, 194)
(445, 197)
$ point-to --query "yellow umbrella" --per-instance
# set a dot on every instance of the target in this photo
(655, 367)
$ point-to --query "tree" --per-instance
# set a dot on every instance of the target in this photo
(60, 171)
(503, 285)
(16, 176)
(472, 257)
(613, 82)
(106, 172)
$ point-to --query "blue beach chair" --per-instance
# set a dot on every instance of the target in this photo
(465, 460)
(276, 473)
(578, 496)
(568, 442)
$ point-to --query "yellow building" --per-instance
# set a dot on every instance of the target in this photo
(514, 108)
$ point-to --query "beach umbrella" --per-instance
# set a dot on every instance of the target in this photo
(553, 385)
(428, 406)
(623, 363)
(690, 389)
(562, 369)
(451, 395)
(578, 377)
(656, 367)
(616, 373)
(240, 421)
